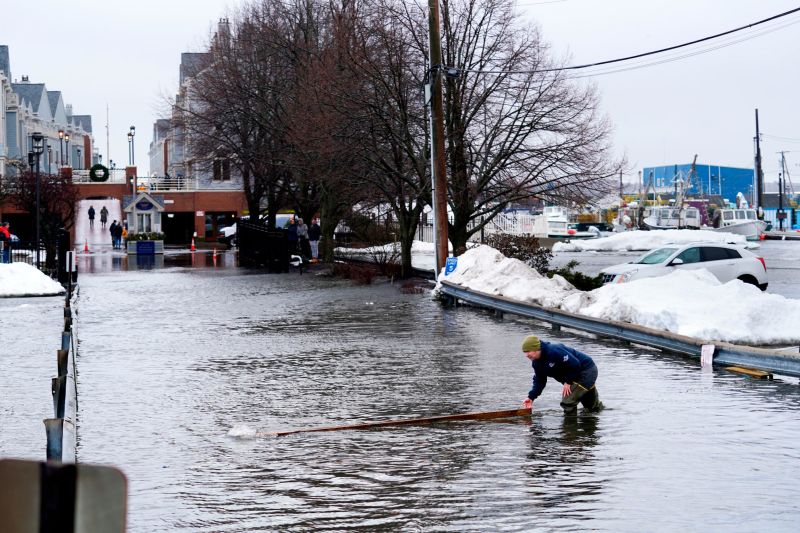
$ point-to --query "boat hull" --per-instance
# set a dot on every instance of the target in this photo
(751, 229)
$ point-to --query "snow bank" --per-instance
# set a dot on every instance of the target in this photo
(486, 270)
(696, 304)
(687, 302)
(647, 240)
(22, 279)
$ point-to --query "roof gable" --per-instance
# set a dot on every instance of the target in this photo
(156, 202)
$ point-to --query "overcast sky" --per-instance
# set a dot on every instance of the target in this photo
(126, 55)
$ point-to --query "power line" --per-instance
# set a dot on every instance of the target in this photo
(644, 54)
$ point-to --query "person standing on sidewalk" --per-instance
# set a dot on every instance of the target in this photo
(575, 370)
(91, 216)
(314, 233)
(5, 241)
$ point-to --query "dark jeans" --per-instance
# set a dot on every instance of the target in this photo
(584, 391)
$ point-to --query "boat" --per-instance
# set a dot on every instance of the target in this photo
(671, 217)
(741, 221)
(554, 223)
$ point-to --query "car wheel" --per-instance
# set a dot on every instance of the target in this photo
(751, 280)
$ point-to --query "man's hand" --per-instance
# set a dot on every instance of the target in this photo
(566, 391)
(528, 403)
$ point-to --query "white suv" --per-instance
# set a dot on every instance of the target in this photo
(725, 261)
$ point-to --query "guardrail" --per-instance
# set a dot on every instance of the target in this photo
(61, 433)
(769, 360)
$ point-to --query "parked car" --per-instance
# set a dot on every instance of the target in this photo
(228, 233)
(725, 261)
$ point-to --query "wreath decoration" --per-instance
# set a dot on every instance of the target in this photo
(98, 173)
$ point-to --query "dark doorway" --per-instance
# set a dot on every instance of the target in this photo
(178, 228)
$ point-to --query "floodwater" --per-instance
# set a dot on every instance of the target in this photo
(175, 361)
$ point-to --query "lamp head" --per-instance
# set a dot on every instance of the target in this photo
(38, 146)
(133, 131)
(66, 137)
(60, 134)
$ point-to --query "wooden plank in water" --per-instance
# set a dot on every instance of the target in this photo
(759, 374)
(488, 415)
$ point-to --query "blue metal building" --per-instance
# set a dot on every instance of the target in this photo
(710, 179)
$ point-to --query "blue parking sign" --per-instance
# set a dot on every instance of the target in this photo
(450, 265)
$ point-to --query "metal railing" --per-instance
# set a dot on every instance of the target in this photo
(61, 429)
(770, 360)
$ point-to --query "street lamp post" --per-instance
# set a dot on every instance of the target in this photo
(66, 141)
(49, 159)
(131, 146)
(130, 143)
(38, 148)
(61, 148)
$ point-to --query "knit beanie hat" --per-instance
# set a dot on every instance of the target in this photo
(531, 344)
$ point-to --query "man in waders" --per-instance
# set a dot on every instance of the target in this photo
(566, 365)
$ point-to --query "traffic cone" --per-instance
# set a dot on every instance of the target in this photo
(193, 248)
(214, 257)
(86, 246)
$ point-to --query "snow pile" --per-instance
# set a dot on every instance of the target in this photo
(647, 240)
(486, 270)
(696, 304)
(22, 279)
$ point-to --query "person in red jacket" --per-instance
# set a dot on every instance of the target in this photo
(575, 370)
(5, 239)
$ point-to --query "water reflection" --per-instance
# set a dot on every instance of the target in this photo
(112, 261)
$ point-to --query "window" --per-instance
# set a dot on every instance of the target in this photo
(751, 215)
(727, 215)
(222, 169)
(732, 254)
(656, 256)
(713, 253)
(144, 222)
(739, 214)
(689, 255)
(226, 169)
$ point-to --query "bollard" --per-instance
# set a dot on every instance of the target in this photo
(62, 358)
(65, 340)
(59, 389)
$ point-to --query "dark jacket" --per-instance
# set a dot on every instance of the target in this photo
(314, 232)
(562, 363)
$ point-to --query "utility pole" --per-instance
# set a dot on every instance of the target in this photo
(437, 137)
(781, 186)
(759, 173)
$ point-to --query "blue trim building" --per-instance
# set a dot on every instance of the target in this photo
(709, 180)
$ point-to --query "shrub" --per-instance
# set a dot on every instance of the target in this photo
(526, 248)
(580, 281)
(149, 236)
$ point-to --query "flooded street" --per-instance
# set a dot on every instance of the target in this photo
(171, 360)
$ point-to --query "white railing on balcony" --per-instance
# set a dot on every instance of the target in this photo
(82, 176)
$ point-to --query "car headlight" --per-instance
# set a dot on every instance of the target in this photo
(626, 277)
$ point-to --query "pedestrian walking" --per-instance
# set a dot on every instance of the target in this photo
(302, 239)
(314, 233)
(124, 235)
(91, 216)
(103, 217)
(575, 370)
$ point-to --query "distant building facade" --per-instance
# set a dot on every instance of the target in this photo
(30, 107)
(709, 180)
(170, 150)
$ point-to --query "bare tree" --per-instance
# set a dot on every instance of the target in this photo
(516, 127)
(58, 197)
(389, 105)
